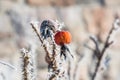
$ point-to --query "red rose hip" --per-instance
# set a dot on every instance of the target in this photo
(62, 37)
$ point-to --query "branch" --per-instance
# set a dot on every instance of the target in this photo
(7, 64)
(44, 46)
(97, 50)
(107, 43)
(55, 63)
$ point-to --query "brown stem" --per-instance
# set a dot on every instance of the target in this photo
(107, 44)
(26, 62)
(45, 48)
(50, 59)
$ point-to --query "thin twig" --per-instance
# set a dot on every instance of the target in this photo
(36, 32)
(7, 64)
(97, 50)
(85, 45)
(45, 48)
(50, 59)
(106, 45)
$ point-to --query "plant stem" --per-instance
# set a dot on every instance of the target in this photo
(106, 45)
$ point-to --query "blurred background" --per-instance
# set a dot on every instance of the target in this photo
(82, 18)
